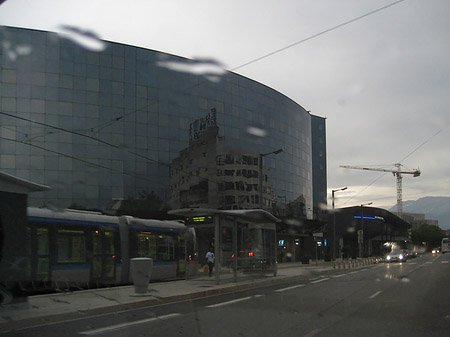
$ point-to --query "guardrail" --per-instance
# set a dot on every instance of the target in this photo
(355, 263)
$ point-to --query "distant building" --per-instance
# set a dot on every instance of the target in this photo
(416, 219)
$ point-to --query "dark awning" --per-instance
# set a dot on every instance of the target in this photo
(12, 184)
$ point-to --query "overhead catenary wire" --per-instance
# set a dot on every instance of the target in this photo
(121, 117)
(316, 35)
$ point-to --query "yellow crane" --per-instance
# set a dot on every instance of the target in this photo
(397, 172)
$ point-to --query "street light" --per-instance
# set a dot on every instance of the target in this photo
(334, 219)
(361, 245)
(261, 155)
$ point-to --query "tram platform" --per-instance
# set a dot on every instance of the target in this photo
(56, 307)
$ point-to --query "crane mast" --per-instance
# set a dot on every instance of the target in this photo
(398, 175)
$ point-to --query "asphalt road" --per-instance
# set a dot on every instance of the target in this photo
(407, 299)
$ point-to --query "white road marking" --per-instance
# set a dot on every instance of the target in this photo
(375, 294)
(232, 301)
(445, 261)
(321, 280)
(340, 275)
(312, 333)
(289, 288)
(354, 272)
(128, 324)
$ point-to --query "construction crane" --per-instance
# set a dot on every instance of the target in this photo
(398, 174)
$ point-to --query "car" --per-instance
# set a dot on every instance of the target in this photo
(396, 256)
(436, 250)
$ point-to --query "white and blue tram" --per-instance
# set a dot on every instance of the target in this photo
(76, 249)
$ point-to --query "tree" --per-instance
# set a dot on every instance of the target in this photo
(430, 234)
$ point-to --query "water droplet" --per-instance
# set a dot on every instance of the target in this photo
(211, 69)
(256, 131)
(84, 38)
(13, 52)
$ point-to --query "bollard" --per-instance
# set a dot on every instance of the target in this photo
(140, 270)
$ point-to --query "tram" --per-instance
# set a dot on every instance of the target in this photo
(78, 249)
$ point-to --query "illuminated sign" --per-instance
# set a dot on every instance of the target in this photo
(199, 220)
(369, 217)
(280, 242)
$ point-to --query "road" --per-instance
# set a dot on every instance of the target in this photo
(407, 299)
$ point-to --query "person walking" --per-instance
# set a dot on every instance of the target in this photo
(210, 259)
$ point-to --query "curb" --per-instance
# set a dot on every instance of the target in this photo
(81, 314)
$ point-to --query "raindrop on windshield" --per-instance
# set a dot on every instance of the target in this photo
(13, 52)
(84, 38)
(256, 131)
(211, 69)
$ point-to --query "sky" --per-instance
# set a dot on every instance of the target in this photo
(382, 80)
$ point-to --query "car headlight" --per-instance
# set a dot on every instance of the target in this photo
(401, 256)
(388, 258)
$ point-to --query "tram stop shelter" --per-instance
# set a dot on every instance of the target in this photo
(13, 219)
(243, 240)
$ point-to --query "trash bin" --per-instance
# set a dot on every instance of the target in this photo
(141, 270)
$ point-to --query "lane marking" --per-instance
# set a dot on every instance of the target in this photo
(313, 333)
(375, 294)
(321, 280)
(128, 324)
(354, 272)
(232, 301)
(340, 275)
(364, 269)
(289, 288)
(445, 261)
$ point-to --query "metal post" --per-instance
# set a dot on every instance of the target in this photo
(334, 226)
(260, 181)
(235, 250)
(362, 229)
(217, 242)
(261, 155)
(334, 220)
(316, 249)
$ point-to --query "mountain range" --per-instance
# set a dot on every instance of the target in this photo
(434, 208)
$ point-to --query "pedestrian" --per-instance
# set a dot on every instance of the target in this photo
(210, 259)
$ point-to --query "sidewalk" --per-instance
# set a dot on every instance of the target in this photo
(50, 308)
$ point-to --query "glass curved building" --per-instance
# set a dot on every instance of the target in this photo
(98, 124)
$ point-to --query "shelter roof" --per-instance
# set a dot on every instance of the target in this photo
(12, 184)
(248, 215)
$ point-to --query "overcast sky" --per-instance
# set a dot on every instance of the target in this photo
(382, 82)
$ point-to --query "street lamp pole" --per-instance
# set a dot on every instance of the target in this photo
(334, 220)
(362, 249)
(261, 155)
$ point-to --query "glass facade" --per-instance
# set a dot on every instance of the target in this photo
(103, 125)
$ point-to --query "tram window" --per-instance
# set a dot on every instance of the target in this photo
(165, 248)
(71, 246)
(42, 241)
(109, 243)
(146, 245)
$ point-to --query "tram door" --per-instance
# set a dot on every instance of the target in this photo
(39, 267)
(103, 255)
